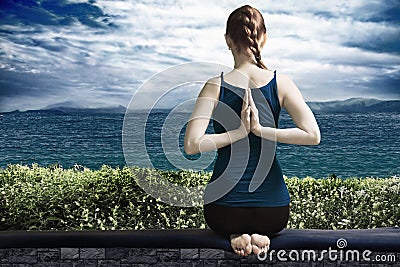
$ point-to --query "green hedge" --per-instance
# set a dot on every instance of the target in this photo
(52, 198)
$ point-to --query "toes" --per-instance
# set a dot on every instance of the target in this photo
(248, 249)
(239, 251)
(264, 249)
(241, 244)
(255, 249)
(260, 243)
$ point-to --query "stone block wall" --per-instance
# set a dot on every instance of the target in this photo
(157, 257)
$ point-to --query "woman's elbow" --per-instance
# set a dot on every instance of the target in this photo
(315, 138)
(189, 148)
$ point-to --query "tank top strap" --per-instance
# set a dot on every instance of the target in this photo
(222, 87)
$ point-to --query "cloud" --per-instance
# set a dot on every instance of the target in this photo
(100, 52)
(53, 12)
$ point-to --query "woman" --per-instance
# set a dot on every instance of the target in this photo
(248, 218)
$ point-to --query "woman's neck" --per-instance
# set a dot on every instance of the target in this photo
(243, 61)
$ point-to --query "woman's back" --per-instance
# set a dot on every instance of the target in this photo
(249, 77)
(249, 166)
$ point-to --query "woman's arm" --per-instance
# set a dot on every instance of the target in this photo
(307, 130)
(196, 141)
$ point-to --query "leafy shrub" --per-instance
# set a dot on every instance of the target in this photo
(353, 203)
(52, 198)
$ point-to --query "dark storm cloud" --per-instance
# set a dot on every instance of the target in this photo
(51, 13)
(385, 14)
(389, 17)
(15, 84)
(380, 11)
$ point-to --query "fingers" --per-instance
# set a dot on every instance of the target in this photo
(246, 114)
(248, 110)
(245, 99)
(248, 101)
(251, 101)
(248, 119)
(250, 97)
(253, 108)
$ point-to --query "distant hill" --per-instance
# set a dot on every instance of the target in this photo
(54, 109)
(65, 104)
(361, 105)
(72, 107)
(109, 110)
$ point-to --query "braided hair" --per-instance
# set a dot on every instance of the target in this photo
(245, 26)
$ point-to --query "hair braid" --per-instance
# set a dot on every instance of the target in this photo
(251, 30)
(246, 26)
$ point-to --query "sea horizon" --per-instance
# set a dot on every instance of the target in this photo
(352, 144)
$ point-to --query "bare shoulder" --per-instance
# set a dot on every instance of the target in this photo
(211, 88)
(214, 81)
(287, 90)
(283, 81)
(285, 84)
(207, 98)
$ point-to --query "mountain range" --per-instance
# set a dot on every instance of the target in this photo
(361, 105)
(71, 107)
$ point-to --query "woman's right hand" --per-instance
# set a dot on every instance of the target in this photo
(245, 114)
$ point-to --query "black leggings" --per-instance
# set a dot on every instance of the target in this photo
(239, 220)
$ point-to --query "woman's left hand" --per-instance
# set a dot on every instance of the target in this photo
(255, 125)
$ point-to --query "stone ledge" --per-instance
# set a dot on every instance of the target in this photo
(189, 247)
(154, 257)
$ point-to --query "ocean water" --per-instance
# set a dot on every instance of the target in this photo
(352, 144)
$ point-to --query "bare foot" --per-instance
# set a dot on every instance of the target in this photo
(260, 243)
(241, 244)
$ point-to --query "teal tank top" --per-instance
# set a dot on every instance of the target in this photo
(247, 172)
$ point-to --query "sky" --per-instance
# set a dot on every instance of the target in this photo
(99, 53)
